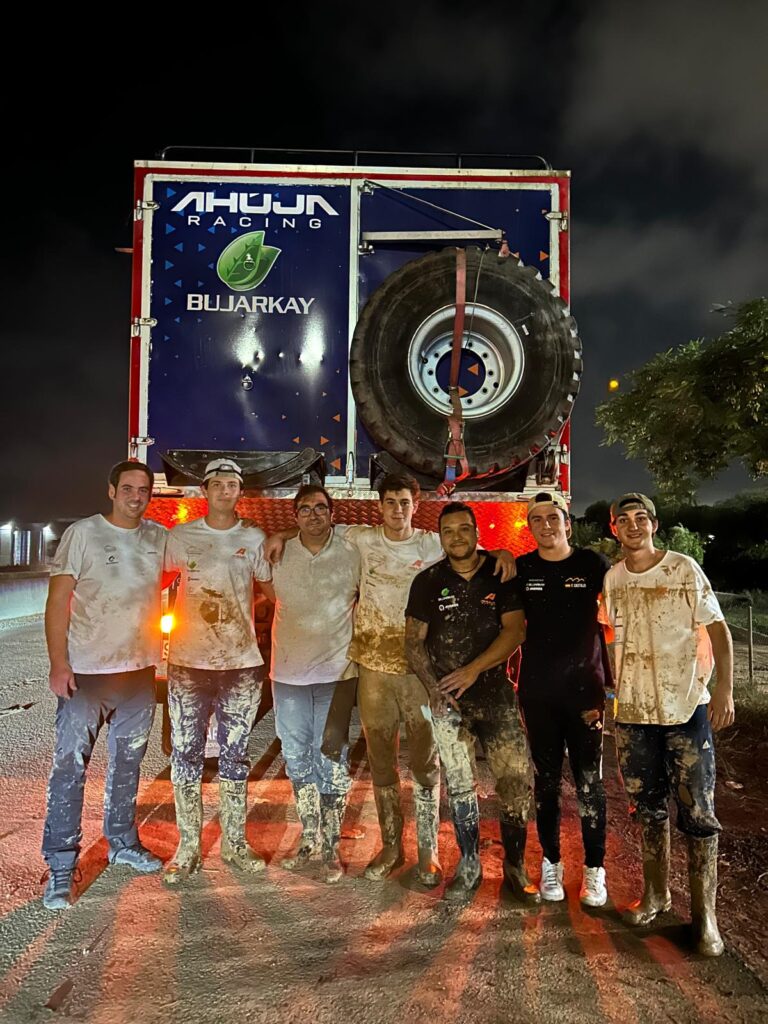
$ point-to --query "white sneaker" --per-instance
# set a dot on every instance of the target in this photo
(593, 892)
(551, 884)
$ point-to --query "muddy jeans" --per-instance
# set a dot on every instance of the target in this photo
(300, 716)
(659, 761)
(384, 701)
(502, 738)
(551, 728)
(193, 695)
(125, 702)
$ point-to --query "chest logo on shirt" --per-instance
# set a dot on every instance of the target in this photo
(575, 582)
(489, 599)
(112, 556)
(534, 584)
(240, 553)
(447, 601)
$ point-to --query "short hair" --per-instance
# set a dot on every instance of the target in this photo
(128, 466)
(399, 482)
(306, 489)
(452, 508)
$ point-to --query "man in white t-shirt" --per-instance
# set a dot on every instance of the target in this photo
(666, 626)
(315, 589)
(214, 665)
(388, 693)
(102, 627)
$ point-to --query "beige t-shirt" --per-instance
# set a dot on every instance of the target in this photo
(114, 620)
(387, 570)
(214, 605)
(315, 602)
(663, 652)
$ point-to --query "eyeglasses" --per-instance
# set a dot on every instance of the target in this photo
(307, 510)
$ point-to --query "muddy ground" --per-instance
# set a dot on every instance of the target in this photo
(282, 947)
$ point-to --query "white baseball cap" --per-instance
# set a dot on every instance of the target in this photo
(222, 467)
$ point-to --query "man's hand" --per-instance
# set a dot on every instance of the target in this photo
(459, 681)
(61, 680)
(505, 564)
(273, 548)
(441, 703)
(721, 711)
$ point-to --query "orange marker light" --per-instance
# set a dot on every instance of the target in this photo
(167, 623)
(613, 384)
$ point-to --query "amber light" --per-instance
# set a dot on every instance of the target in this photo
(613, 384)
(167, 623)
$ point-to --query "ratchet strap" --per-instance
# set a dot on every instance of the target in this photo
(455, 453)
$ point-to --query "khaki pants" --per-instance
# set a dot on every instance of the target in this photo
(385, 701)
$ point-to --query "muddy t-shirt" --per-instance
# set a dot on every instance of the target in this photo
(114, 619)
(663, 651)
(387, 570)
(563, 657)
(464, 618)
(214, 606)
(315, 602)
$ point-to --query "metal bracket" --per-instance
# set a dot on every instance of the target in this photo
(366, 189)
(558, 215)
(141, 321)
(495, 234)
(142, 205)
(365, 249)
(142, 441)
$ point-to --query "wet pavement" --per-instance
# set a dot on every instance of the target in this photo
(284, 947)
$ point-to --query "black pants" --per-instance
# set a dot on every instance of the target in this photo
(551, 728)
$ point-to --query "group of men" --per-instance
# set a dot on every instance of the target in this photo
(419, 629)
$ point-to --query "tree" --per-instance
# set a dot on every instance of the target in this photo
(693, 410)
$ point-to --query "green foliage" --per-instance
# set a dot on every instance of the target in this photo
(693, 410)
(583, 535)
(687, 542)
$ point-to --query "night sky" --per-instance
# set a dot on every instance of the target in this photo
(658, 109)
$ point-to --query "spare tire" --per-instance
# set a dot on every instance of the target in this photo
(520, 370)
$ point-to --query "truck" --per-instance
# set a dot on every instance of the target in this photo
(337, 316)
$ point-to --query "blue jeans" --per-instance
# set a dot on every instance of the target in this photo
(659, 761)
(300, 716)
(125, 702)
(193, 695)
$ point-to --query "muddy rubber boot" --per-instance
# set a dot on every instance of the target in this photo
(427, 805)
(513, 838)
(469, 872)
(188, 797)
(234, 848)
(332, 806)
(308, 810)
(656, 898)
(702, 874)
(391, 855)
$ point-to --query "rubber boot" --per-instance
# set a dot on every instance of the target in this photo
(332, 807)
(513, 838)
(234, 848)
(427, 805)
(656, 898)
(702, 874)
(308, 810)
(391, 855)
(188, 797)
(466, 823)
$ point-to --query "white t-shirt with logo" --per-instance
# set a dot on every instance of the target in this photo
(213, 614)
(114, 619)
(663, 651)
(388, 568)
(314, 607)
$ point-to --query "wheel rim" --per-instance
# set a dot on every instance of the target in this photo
(492, 361)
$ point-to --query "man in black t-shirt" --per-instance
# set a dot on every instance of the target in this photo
(462, 624)
(561, 688)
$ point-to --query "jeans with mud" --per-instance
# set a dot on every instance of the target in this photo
(194, 694)
(384, 701)
(662, 761)
(300, 716)
(502, 738)
(551, 730)
(125, 703)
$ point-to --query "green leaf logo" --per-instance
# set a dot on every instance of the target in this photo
(444, 592)
(246, 261)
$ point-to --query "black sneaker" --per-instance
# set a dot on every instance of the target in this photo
(58, 889)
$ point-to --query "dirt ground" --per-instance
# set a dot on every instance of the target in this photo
(282, 947)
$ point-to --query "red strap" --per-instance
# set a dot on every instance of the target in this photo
(454, 449)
